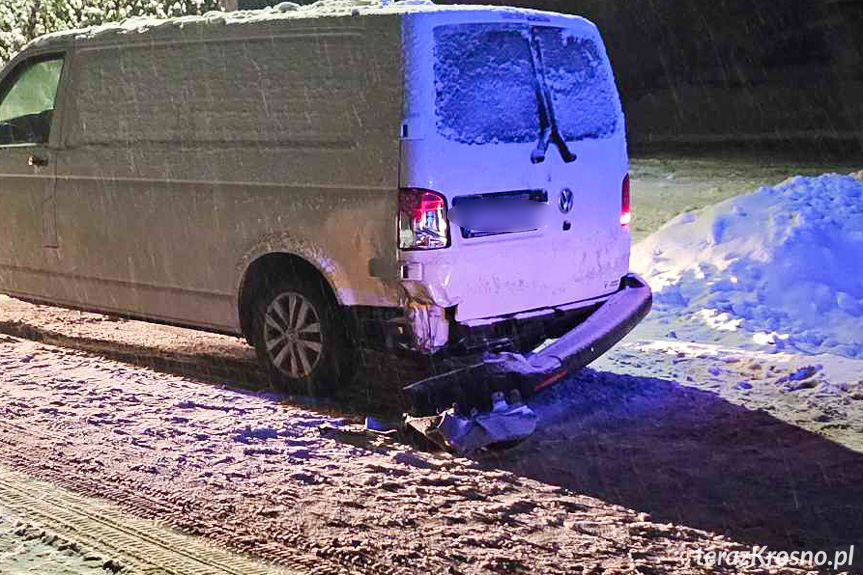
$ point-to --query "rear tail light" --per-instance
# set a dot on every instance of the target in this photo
(422, 220)
(625, 214)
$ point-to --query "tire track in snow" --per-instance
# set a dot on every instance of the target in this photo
(43, 456)
(138, 544)
(38, 461)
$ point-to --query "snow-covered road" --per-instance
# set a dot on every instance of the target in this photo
(248, 471)
(643, 459)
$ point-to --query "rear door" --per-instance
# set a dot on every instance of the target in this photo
(28, 143)
(519, 106)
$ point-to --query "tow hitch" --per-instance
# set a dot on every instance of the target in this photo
(463, 407)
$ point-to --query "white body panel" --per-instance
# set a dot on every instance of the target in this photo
(505, 274)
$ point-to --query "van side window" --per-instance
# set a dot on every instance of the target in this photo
(27, 100)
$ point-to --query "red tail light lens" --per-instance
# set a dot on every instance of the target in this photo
(422, 220)
(625, 214)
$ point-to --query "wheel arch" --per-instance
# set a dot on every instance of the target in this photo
(272, 266)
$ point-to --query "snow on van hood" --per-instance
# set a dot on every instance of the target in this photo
(779, 267)
(285, 10)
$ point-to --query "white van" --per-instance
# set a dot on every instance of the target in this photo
(293, 176)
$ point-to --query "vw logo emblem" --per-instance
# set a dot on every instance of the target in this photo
(566, 200)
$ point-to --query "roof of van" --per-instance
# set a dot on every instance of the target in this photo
(288, 11)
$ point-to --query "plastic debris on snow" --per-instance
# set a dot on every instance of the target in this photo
(779, 268)
(504, 424)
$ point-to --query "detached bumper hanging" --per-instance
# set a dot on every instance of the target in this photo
(470, 382)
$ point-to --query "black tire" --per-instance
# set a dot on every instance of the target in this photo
(313, 354)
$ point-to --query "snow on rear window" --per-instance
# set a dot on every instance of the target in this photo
(582, 89)
(487, 87)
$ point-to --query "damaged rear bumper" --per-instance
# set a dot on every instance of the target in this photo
(470, 381)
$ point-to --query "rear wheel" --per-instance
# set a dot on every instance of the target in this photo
(300, 338)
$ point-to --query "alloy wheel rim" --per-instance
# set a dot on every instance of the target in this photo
(292, 335)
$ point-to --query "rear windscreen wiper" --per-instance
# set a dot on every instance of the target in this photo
(549, 130)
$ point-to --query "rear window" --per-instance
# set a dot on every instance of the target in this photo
(490, 79)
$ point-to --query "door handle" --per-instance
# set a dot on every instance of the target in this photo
(37, 161)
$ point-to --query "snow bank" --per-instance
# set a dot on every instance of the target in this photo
(780, 267)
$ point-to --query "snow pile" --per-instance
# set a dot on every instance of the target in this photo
(779, 267)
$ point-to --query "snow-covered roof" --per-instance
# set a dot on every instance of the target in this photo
(287, 11)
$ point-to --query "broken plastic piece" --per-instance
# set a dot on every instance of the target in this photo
(379, 426)
(466, 435)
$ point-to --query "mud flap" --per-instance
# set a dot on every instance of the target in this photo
(470, 382)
